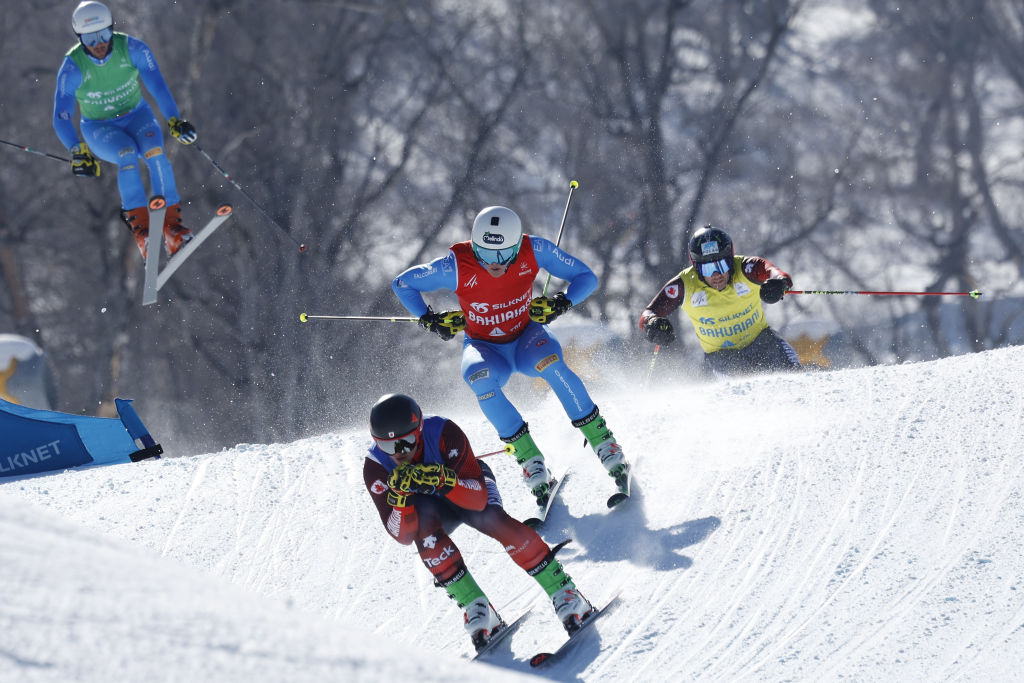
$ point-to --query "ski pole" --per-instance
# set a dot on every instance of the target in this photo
(306, 318)
(302, 247)
(509, 448)
(572, 186)
(35, 151)
(974, 293)
(650, 368)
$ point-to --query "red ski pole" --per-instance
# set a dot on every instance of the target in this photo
(506, 449)
(974, 293)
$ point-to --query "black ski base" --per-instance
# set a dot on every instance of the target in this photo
(623, 482)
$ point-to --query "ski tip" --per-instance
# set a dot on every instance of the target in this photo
(539, 659)
(617, 498)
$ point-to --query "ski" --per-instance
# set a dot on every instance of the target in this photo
(502, 633)
(542, 511)
(623, 483)
(157, 208)
(175, 262)
(542, 658)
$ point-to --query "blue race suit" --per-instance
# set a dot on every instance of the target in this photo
(124, 139)
(533, 351)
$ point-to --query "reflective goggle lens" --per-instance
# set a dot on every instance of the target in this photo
(498, 256)
(400, 444)
(96, 37)
(711, 267)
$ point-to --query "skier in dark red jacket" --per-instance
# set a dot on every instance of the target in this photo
(425, 481)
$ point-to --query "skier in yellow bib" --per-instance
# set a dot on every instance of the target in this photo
(722, 295)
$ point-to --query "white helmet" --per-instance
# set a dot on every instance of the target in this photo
(91, 16)
(497, 234)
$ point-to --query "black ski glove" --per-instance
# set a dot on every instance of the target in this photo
(659, 331)
(83, 163)
(773, 290)
(433, 478)
(445, 325)
(182, 131)
(400, 486)
(545, 309)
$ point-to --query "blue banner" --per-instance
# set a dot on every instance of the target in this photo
(30, 446)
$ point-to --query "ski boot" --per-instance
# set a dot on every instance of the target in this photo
(603, 442)
(137, 221)
(176, 235)
(570, 605)
(529, 457)
(482, 622)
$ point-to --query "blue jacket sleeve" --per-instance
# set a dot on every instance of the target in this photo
(426, 277)
(561, 264)
(143, 59)
(69, 78)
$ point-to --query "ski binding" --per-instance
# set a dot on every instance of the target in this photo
(542, 512)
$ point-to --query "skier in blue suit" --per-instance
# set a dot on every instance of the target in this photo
(492, 275)
(101, 75)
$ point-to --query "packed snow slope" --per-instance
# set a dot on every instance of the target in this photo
(859, 525)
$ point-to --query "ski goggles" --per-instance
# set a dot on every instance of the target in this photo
(400, 444)
(499, 257)
(708, 269)
(97, 37)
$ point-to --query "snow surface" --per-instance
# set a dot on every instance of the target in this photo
(852, 525)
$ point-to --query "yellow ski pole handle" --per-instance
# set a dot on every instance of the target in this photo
(509, 448)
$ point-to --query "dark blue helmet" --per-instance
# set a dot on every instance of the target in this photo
(712, 247)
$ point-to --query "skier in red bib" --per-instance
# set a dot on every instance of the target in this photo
(425, 481)
(505, 324)
(101, 75)
(722, 295)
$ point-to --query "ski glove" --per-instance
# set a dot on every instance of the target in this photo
(545, 309)
(398, 500)
(445, 325)
(83, 163)
(659, 331)
(182, 131)
(773, 290)
(433, 478)
(400, 483)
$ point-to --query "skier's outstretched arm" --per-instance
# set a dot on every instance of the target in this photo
(143, 60)
(760, 270)
(69, 78)
(565, 266)
(665, 302)
(426, 277)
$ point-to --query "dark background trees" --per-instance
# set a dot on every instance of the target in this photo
(856, 144)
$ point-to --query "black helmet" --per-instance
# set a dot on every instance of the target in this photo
(710, 244)
(396, 423)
